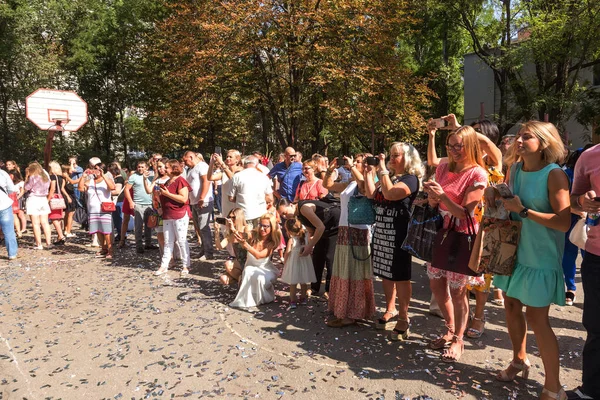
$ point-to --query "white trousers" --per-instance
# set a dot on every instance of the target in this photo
(175, 231)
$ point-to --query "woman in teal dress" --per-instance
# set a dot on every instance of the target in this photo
(541, 203)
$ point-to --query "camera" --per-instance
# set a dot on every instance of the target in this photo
(372, 160)
(221, 220)
(440, 123)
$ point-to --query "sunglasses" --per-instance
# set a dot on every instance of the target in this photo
(267, 226)
(455, 147)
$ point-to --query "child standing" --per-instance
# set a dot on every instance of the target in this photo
(297, 270)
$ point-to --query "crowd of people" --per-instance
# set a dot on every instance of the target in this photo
(344, 221)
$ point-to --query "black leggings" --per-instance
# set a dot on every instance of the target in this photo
(322, 258)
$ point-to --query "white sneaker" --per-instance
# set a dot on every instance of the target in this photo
(160, 271)
(71, 235)
(184, 272)
(40, 247)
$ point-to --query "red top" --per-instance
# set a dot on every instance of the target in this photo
(311, 191)
(455, 186)
(173, 209)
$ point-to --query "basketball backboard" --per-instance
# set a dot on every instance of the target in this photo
(45, 107)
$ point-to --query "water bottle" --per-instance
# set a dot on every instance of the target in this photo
(592, 219)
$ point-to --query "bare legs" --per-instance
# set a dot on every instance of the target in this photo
(57, 223)
(124, 226)
(537, 318)
(455, 308)
(39, 223)
(233, 271)
(68, 221)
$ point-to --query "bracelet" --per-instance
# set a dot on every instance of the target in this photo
(384, 173)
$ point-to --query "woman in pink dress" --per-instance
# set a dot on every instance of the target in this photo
(459, 185)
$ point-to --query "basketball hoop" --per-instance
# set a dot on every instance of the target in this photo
(63, 109)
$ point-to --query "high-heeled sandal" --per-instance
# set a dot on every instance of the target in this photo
(442, 341)
(450, 357)
(521, 368)
(561, 395)
(383, 323)
(398, 335)
(473, 333)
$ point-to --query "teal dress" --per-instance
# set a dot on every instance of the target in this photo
(537, 279)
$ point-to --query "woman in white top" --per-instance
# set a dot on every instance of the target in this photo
(256, 284)
(98, 186)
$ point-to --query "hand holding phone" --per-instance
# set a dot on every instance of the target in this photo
(221, 220)
(504, 191)
(440, 123)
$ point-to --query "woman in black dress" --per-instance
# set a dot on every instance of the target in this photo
(393, 196)
(322, 220)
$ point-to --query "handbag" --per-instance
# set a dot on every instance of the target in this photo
(579, 233)
(423, 226)
(360, 210)
(495, 248)
(452, 249)
(107, 206)
(153, 219)
(57, 202)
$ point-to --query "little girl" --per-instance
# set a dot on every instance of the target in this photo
(297, 270)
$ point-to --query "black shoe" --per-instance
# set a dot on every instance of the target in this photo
(151, 247)
(576, 394)
(59, 242)
(117, 238)
(209, 257)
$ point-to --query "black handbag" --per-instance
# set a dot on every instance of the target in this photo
(424, 224)
(452, 249)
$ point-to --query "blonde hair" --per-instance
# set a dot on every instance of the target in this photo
(274, 237)
(295, 228)
(471, 147)
(35, 168)
(240, 219)
(553, 148)
(412, 160)
(237, 155)
(54, 168)
(310, 163)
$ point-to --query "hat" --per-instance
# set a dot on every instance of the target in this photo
(95, 161)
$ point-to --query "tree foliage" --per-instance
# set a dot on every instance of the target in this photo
(304, 73)
(536, 49)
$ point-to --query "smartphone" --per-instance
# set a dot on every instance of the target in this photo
(218, 150)
(221, 220)
(596, 198)
(372, 160)
(341, 160)
(440, 123)
(504, 191)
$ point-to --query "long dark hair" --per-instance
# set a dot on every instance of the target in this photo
(489, 129)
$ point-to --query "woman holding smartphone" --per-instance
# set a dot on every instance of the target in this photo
(98, 187)
(541, 203)
(457, 189)
(174, 199)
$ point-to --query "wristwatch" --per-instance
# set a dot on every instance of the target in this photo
(524, 212)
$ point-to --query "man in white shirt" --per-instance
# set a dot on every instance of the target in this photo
(201, 200)
(251, 189)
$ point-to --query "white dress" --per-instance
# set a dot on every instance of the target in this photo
(256, 285)
(298, 269)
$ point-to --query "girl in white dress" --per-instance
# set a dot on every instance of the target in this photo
(256, 284)
(297, 269)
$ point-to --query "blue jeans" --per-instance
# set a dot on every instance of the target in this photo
(570, 257)
(7, 223)
(117, 217)
(590, 278)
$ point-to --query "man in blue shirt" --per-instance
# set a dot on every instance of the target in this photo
(288, 174)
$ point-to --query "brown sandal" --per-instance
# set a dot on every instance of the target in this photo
(442, 341)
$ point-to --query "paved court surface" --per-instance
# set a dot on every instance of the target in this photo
(75, 327)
